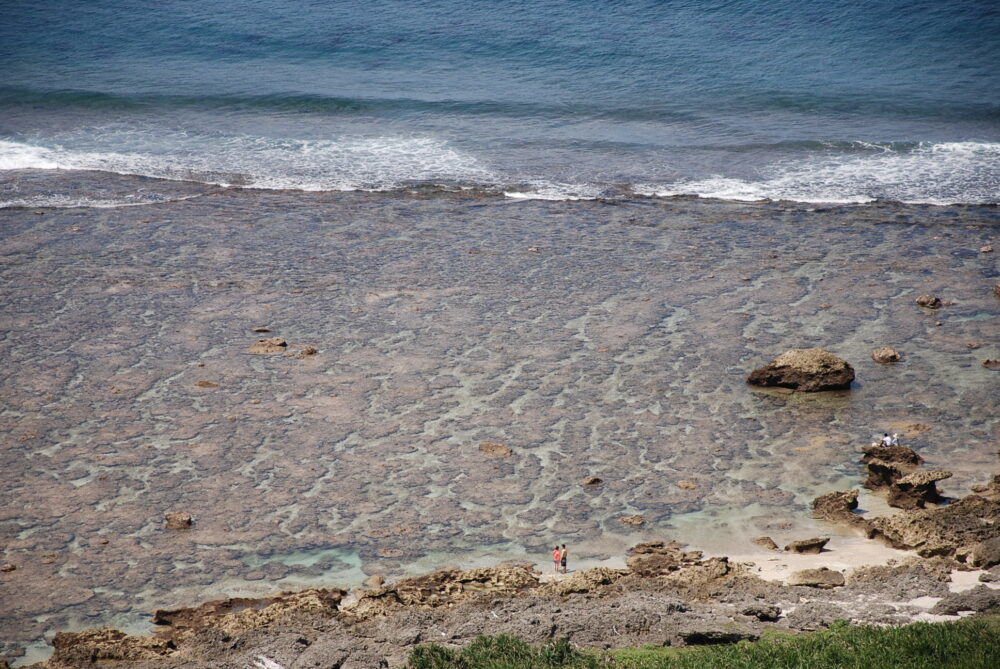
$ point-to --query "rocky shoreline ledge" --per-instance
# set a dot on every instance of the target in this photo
(666, 595)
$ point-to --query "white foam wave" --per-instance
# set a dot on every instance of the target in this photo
(351, 163)
(553, 190)
(941, 174)
(64, 201)
(17, 156)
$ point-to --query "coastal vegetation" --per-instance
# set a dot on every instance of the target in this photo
(970, 643)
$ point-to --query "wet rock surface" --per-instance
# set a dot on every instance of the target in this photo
(886, 355)
(808, 370)
(621, 355)
(930, 301)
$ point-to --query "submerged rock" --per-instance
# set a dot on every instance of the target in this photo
(495, 449)
(633, 520)
(886, 354)
(929, 301)
(992, 363)
(268, 346)
(806, 369)
(178, 520)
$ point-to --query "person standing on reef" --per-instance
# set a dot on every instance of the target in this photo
(562, 558)
(886, 440)
(555, 560)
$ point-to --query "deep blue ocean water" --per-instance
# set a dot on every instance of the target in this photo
(791, 99)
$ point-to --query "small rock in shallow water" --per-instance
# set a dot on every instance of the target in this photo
(886, 354)
(8, 567)
(986, 249)
(687, 485)
(991, 363)
(929, 301)
(269, 345)
(496, 449)
(207, 384)
(633, 520)
(261, 330)
(307, 351)
(178, 520)
(804, 369)
(592, 480)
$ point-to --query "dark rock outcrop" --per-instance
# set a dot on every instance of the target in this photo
(888, 464)
(714, 637)
(807, 369)
(915, 490)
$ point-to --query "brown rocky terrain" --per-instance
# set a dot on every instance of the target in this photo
(667, 595)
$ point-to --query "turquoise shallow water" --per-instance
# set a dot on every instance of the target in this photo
(807, 101)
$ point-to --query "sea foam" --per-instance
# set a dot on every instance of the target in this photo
(943, 173)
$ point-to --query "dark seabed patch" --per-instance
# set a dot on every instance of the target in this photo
(594, 339)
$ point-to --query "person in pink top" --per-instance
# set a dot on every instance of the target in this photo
(555, 560)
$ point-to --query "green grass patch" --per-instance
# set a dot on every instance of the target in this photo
(972, 643)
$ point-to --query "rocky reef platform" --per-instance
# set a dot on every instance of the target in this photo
(463, 379)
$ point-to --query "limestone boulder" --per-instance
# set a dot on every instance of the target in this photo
(806, 369)
(817, 578)
(178, 520)
(949, 531)
(915, 490)
(985, 554)
(929, 301)
(837, 507)
(888, 464)
(807, 546)
(767, 543)
(886, 355)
